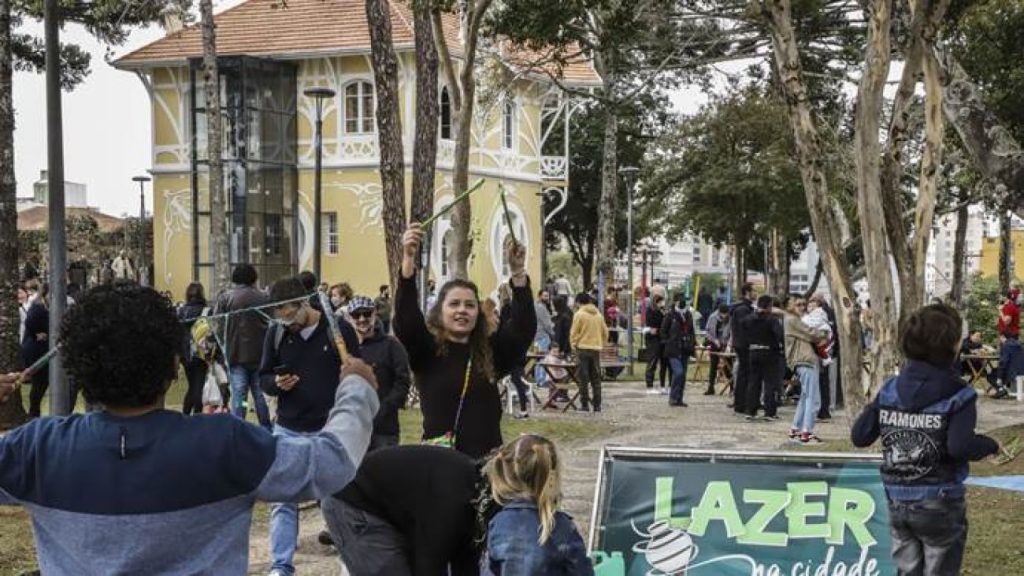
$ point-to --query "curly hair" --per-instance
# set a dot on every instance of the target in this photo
(120, 344)
(479, 339)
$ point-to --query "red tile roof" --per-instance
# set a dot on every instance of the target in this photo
(302, 28)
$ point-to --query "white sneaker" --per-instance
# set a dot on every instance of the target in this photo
(652, 392)
(663, 391)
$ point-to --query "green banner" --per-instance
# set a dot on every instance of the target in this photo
(691, 513)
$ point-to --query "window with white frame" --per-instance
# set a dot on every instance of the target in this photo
(508, 125)
(330, 225)
(716, 256)
(445, 114)
(446, 243)
(359, 108)
(696, 253)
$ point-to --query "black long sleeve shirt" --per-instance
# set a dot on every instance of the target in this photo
(426, 493)
(440, 375)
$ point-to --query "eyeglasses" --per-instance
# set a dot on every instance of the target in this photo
(357, 314)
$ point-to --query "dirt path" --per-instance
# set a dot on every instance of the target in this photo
(637, 420)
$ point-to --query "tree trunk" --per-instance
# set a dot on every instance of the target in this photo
(928, 184)
(389, 131)
(608, 209)
(777, 264)
(818, 270)
(906, 251)
(740, 267)
(1005, 251)
(867, 151)
(824, 222)
(462, 90)
(424, 162)
(214, 148)
(956, 293)
(12, 413)
(994, 151)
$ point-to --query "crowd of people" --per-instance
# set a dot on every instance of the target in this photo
(327, 371)
(326, 376)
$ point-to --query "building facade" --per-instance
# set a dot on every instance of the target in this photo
(269, 56)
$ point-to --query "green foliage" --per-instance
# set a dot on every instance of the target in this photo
(110, 21)
(728, 174)
(577, 222)
(981, 306)
(986, 38)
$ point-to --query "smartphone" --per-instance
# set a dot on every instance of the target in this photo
(282, 370)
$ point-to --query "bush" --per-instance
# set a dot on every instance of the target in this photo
(981, 306)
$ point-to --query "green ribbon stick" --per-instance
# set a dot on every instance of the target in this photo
(430, 221)
(508, 215)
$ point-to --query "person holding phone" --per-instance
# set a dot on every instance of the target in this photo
(299, 366)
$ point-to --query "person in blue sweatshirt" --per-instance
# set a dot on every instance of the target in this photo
(925, 418)
(137, 489)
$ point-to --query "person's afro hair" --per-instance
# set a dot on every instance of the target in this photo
(120, 344)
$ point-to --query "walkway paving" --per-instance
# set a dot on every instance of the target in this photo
(637, 419)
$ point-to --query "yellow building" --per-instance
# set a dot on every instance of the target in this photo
(269, 54)
(989, 265)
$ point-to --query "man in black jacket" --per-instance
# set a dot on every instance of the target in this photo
(655, 316)
(679, 341)
(764, 337)
(390, 364)
(737, 313)
(300, 367)
(245, 333)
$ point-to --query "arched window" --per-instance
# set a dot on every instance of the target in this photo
(508, 125)
(446, 114)
(359, 108)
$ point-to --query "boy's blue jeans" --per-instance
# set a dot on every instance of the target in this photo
(928, 536)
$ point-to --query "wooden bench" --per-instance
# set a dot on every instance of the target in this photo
(611, 363)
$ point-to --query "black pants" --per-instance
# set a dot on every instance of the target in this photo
(713, 369)
(654, 362)
(588, 372)
(521, 389)
(764, 382)
(825, 386)
(40, 383)
(741, 377)
(195, 373)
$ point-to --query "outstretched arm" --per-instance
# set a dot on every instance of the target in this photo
(409, 325)
(315, 467)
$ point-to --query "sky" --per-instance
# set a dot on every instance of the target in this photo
(107, 124)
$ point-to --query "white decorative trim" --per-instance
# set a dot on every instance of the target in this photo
(554, 167)
(497, 230)
(177, 218)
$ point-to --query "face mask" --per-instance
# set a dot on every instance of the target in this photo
(336, 301)
(285, 323)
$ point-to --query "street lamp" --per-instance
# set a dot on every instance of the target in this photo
(142, 226)
(628, 174)
(318, 95)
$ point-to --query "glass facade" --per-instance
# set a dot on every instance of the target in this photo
(258, 106)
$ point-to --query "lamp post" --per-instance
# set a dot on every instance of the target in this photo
(318, 95)
(60, 396)
(142, 226)
(628, 174)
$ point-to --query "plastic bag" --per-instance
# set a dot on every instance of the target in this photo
(220, 373)
(211, 390)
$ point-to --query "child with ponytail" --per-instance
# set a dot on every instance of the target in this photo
(530, 536)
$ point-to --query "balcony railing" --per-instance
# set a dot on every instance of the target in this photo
(554, 168)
